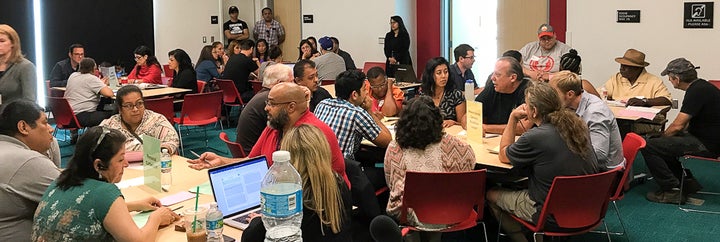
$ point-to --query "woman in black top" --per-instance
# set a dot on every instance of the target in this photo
(327, 202)
(184, 73)
(397, 45)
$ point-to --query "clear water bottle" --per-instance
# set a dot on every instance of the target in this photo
(281, 200)
(214, 224)
(165, 170)
(469, 90)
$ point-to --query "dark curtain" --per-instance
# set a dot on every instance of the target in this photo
(19, 15)
(109, 29)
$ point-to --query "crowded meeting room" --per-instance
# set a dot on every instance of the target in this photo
(193, 120)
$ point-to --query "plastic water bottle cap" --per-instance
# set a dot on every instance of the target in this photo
(165, 151)
(281, 155)
(469, 81)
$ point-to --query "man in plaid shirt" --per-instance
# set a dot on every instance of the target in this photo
(269, 29)
(349, 117)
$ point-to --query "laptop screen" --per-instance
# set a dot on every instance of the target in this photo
(236, 187)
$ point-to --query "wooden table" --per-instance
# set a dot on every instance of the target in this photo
(483, 156)
(184, 178)
(147, 93)
(402, 85)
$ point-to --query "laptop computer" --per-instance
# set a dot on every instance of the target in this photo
(405, 73)
(236, 188)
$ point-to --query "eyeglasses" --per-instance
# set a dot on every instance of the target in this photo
(102, 136)
(273, 104)
(130, 106)
(379, 86)
(469, 57)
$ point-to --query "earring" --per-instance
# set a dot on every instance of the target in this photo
(99, 175)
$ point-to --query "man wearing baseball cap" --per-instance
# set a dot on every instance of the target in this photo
(235, 29)
(694, 131)
(634, 85)
(542, 57)
(329, 64)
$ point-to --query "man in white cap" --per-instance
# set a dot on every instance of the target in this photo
(542, 57)
(634, 85)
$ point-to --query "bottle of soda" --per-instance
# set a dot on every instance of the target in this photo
(281, 200)
(214, 224)
(165, 170)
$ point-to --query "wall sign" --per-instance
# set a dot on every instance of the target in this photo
(628, 16)
(698, 15)
(308, 18)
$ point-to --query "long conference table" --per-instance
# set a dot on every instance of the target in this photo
(184, 179)
(151, 92)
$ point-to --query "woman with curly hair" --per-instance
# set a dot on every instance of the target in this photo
(421, 145)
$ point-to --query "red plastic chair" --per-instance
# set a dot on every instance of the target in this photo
(256, 86)
(683, 161)
(578, 204)
(445, 198)
(631, 145)
(327, 82)
(715, 82)
(201, 86)
(231, 96)
(163, 105)
(168, 72)
(199, 109)
(63, 114)
(236, 149)
(370, 64)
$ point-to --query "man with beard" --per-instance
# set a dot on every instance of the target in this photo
(287, 107)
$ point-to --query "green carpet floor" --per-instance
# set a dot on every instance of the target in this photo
(645, 221)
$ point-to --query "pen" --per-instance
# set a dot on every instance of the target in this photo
(198, 156)
(178, 208)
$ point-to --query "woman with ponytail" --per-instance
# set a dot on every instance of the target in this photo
(571, 62)
(559, 145)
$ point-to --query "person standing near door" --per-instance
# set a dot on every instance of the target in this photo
(269, 29)
(397, 45)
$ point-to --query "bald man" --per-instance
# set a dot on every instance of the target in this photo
(253, 118)
(287, 107)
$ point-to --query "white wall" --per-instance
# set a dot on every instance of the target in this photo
(358, 25)
(182, 24)
(593, 31)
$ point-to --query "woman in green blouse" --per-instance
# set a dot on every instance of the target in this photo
(83, 204)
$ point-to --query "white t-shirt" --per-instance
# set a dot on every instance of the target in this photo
(83, 92)
(536, 58)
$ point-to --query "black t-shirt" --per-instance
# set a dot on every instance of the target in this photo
(498, 106)
(317, 96)
(238, 69)
(234, 27)
(459, 79)
(702, 103)
(186, 79)
(542, 154)
(252, 121)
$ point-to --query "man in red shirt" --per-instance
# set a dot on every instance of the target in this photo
(287, 107)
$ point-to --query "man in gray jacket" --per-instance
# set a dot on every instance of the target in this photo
(25, 137)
